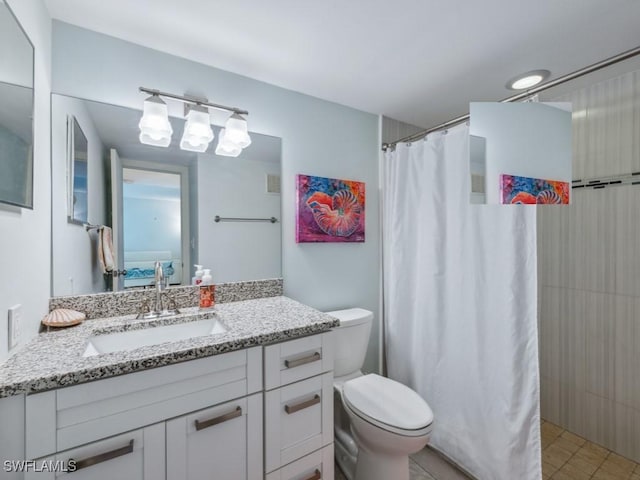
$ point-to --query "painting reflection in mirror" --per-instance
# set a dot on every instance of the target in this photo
(16, 112)
(160, 203)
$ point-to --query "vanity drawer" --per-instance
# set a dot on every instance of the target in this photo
(72, 416)
(318, 465)
(298, 420)
(298, 359)
(135, 455)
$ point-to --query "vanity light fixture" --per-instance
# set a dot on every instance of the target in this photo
(225, 147)
(197, 130)
(155, 128)
(528, 80)
(236, 131)
(154, 125)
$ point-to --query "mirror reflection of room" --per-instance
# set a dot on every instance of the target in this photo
(16, 112)
(520, 153)
(121, 205)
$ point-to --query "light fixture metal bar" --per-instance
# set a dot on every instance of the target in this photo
(519, 96)
(193, 100)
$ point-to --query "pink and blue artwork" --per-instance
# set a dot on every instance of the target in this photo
(329, 210)
(526, 190)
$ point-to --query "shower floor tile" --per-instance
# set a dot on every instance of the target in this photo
(567, 456)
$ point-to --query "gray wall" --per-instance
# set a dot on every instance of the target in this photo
(318, 137)
(589, 275)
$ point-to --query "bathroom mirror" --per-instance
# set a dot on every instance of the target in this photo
(520, 153)
(162, 204)
(16, 112)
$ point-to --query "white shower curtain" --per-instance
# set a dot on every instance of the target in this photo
(460, 308)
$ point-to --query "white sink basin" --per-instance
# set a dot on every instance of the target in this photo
(132, 339)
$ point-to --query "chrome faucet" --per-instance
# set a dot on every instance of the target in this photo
(159, 279)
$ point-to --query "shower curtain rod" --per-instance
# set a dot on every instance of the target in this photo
(532, 91)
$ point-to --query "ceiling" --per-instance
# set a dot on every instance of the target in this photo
(419, 61)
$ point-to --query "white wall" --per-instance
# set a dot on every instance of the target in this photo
(524, 139)
(76, 268)
(236, 187)
(318, 137)
(25, 239)
(16, 56)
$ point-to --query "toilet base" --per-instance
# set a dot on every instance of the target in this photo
(375, 466)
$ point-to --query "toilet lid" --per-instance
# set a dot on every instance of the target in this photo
(388, 402)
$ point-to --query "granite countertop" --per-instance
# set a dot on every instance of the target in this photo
(55, 359)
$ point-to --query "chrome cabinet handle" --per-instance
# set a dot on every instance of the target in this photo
(317, 475)
(302, 405)
(217, 420)
(314, 357)
(103, 457)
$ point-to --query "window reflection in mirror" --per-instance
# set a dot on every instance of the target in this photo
(161, 205)
(16, 112)
(78, 168)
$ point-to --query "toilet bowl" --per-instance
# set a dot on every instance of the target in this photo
(378, 422)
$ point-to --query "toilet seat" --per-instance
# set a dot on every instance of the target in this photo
(388, 404)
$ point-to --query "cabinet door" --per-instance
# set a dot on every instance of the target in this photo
(136, 455)
(221, 443)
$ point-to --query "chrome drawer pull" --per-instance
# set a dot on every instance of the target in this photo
(304, 360)
(216, 420)
(103, 457)
(316, 476)
(302, 405)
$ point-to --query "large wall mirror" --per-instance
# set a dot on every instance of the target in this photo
(161, 204)
(16, 112)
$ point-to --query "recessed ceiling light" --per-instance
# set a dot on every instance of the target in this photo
(528, 80)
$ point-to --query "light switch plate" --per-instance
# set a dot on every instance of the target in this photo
(15, 325)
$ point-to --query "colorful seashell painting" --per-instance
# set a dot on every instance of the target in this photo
(525, 190)
(329, 210)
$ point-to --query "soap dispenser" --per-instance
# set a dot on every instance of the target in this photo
(197, 280)
(207, 290)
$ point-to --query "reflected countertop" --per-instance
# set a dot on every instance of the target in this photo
(55, 359)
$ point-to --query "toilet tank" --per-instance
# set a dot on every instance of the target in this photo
(351, 339)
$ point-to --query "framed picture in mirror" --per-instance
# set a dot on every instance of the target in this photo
(77, 172)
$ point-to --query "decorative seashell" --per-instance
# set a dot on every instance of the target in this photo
(63, 317)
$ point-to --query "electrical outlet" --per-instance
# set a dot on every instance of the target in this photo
(15, 325)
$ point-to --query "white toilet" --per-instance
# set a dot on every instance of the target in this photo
(378, 421)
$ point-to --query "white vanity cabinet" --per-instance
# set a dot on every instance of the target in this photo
(299, 409)
(219, 443)
(222, 417)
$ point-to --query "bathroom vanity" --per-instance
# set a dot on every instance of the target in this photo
(253, 401)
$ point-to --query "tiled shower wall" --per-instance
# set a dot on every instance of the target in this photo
(589, 277)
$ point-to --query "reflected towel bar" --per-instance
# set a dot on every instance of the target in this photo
(88, 227)
(218, 219)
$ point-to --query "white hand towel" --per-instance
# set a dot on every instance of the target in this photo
(105, 249)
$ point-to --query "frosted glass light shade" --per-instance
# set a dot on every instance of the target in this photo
(237, 132)
(226, 148)
(197, 130)
(154, 125)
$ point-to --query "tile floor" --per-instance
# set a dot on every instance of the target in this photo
(425, 465)
(566, 456)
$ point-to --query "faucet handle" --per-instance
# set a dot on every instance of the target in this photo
(172, 305)
(143, 309)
